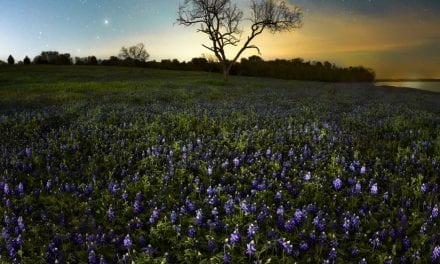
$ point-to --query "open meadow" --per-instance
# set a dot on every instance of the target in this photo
(114, 165)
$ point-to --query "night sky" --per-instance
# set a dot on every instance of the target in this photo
(397, 38)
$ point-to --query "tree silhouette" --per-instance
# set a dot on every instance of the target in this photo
(220, 20)
(136, 52)
(26, 60)
(11, 60)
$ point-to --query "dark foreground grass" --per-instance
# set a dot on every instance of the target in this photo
(108, 165)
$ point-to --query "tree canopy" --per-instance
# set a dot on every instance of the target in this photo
(221, 19)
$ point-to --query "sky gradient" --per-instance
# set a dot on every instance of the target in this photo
(396, 38)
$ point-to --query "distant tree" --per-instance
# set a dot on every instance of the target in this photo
(11, 60)
(112, 61)
(2, 63)
(255, 58)
(26, 60)
(220, 20)
(63, 59)
(136, 52)
(92, 60)
(53, 57)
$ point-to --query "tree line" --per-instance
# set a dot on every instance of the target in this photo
(293, 69)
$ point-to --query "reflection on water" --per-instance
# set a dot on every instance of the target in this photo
(428, 86)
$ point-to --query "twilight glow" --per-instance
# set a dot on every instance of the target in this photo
(397, 38)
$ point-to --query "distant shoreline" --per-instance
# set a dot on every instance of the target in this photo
(407, 80)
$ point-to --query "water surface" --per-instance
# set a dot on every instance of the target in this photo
(433, 86)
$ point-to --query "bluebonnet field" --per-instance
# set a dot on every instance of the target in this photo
(114, 165)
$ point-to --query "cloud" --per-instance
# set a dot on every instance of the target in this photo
(358, 40)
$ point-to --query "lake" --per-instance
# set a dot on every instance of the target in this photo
(428, 85)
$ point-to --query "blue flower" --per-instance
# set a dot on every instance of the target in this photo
(212, 245)
(199, 217)
(20, 224)
(290, 225)
(214, 211)
(236, 162)
(252, 230)
(374, 189)
(229, 207)
(20, 189)
(307, 176)
(337, 184)
(127, 242)
(191, 232)
(436, 254)
(137, 207)
(173, 217)
(93, 259)
(28, 152)
(299, 216)
(111, 213)
(154, 216)
(434, 212)
(424, 188)
(406, 243)
(235, 237)
(250, 248)
(6, 188)
(227, 258)
(388, 261)
(303, 246)
(354, 252)
(332, 255)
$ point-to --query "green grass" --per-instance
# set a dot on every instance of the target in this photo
(27, 87)
(91, 126)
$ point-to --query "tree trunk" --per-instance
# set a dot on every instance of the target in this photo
(226, 69)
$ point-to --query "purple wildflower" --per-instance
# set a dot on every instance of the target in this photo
(154, 216)
(28, 152)
(111, 213)
(236, 162)
(199, 217)
(191, 232)
(436, 254)
(354, 252)
(20, 224)
(250, 248)
(307, 176)
(20, 189)
(303, 246)
(173, 217)
(374, 189)
(406, 243)
(6, 188)
(235, 237)
(337, 184)
(333, 255)
(212, 245)
(252, 230)
(137, 207)
(229, 207)
(127, 242)
(227, 258)
(434, 212)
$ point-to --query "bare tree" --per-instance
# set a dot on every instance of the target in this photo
(136, 52)
(221, 19)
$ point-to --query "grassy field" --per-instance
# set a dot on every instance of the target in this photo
(113, 165)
